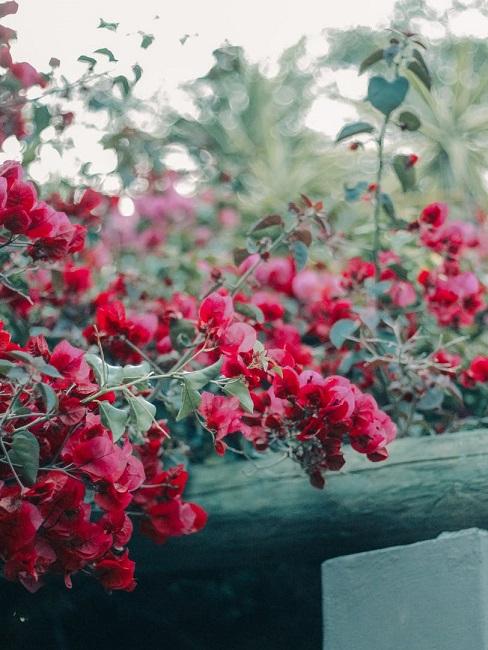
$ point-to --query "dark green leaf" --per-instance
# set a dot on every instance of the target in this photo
(131, 373)
(88, 59)
(409, 121)
(249, 310)
(370, 60)
(405, 172)
(123, 84)
(200, 378)
(137, 70)
(146, 41)
(432, 399)
(42, 118)
(24, 454)
(142, 413)
(190, 400)
(379, 288)
(6, 367)
(421, 73)
(300, 254)
(106, 25)
(347, 362)
(114, 419)
(386, 95)
(181, 333)
(355, 128)
(105, 374)
(37, 362)
(387, 205)
(238, 388)
(106, 52)
(49, 397)
(342, 330)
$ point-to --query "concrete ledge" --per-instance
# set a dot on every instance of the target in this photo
(260, 516)
(431, 595)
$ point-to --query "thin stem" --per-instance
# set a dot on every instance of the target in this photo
(378, 197)
(2, 442)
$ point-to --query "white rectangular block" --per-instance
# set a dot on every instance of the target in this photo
(430, 595)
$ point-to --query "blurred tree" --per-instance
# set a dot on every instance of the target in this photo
(251, 127)
(452, 140)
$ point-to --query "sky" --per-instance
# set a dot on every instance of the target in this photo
(186, 33)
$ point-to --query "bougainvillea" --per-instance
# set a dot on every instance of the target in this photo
(132, 345)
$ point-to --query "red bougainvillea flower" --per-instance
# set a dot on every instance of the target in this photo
(173, 519)
(116, 572)
(403, 294)
(27, 75)
(447, 359)
(476, 373)
(238, 338)
(434, 214)
(70, 362)
(453, 299)
(357, 271)
(7, 8)
(216, 313)
(221, 414)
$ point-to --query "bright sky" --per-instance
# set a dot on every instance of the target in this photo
(67, 28)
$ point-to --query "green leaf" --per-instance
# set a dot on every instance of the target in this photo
(249, 310)
(106, 52)
(37, 362)
(387, 205)
(46, 368)
(142, 413)
(6, 367)
(96, 364)
(432, 399)
(25, 453)
(386, 95)
(405, 172)
(42, 118)
(238, 388)
(421, 73)
(181, 333)
(370, 60)
(146, 41)
(190, 400)
(105, 374)
(131, 373)
(200, 378)
(123, 84)
(300, 254)
(342, 330)
(114, 419)
(106, 25)
(267, 222)
(419, 59)
(88, 59)
(137, 70)
(409, 121)
(355, 128)
(49, 397)
(379, 288)
(347, 362)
